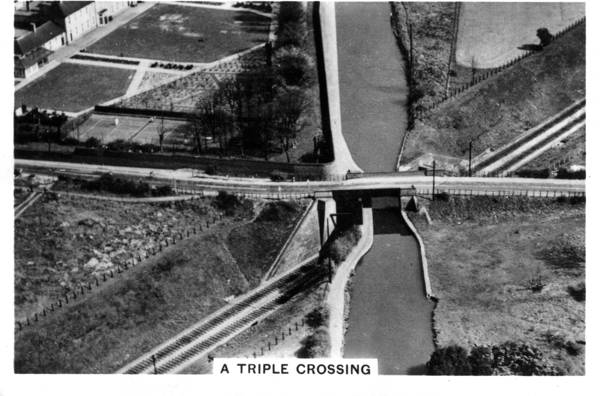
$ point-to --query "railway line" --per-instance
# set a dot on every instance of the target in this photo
(189, 345)
(533, 142)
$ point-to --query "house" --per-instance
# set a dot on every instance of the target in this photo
(44, 26)
(75, 17)
(31, 50)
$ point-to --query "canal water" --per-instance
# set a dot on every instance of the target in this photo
(390, 316)
(373, 87)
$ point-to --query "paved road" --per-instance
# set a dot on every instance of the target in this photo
(373, 87)
(189, 178)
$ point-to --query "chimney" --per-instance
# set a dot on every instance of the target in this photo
(34, 27)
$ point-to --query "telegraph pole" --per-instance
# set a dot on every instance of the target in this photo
(470, 150)
(433, 183)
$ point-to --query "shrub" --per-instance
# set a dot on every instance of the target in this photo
(315, 345)
(577, 291)
(92, 142)
(295, 67)
(317, 317)
(564, 173)
(231, 204)
(342, 243)
(481, 360)
(451, 360)
(534, 173)
(116, 185)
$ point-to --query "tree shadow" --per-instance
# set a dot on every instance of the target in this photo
(530, 47)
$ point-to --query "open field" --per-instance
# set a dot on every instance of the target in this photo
(60, 245)
(502, 107)
(154, 301)
(130, 128)
(489, 34)
(487, 259)
(177, 33)
(71, 87)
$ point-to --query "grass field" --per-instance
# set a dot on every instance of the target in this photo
(177, 33)
(152, 302)
(71, 87)
(504, 106)
(489, 34)
(484, 257)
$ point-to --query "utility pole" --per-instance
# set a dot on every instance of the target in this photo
(470, 150)
(433, 183)
(154, 363)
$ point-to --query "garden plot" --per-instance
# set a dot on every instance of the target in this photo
(73, 88)
(489, 34)
(108, 128)
(178, 33)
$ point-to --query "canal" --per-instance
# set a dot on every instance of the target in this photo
(390, 316)
(373, 87)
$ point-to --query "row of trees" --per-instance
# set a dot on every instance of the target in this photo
(266, 110)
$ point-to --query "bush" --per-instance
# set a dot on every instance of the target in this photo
(564, 173)
(342, 243)
(115, 185)
(534, 173)
(451, 360)
(231, 204)
(508, 358)
(577, 291)
(481, 360)
(295, 67)
(92, 142)
(315, 345)
(317, 317)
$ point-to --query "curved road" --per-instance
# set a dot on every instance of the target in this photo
(373, 87)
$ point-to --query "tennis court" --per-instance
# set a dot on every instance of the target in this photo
(108, 128)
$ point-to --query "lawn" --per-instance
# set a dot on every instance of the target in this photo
(496, 111)
(73, 88)
(178, 33)
(155, 301)
(485, 255)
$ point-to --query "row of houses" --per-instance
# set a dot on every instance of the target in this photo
(44, 26)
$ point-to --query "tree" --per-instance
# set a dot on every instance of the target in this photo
(294, 67)
(290, 106)
(545, 36)
(291, 25)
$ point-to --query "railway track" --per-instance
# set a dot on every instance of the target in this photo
(218, 328)
(534, 140)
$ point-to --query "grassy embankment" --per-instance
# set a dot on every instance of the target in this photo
(154, 301)
(506, 105)
(509, 269)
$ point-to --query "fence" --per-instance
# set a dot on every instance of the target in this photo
(488, 73)
(87, 287)
(496, 193)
